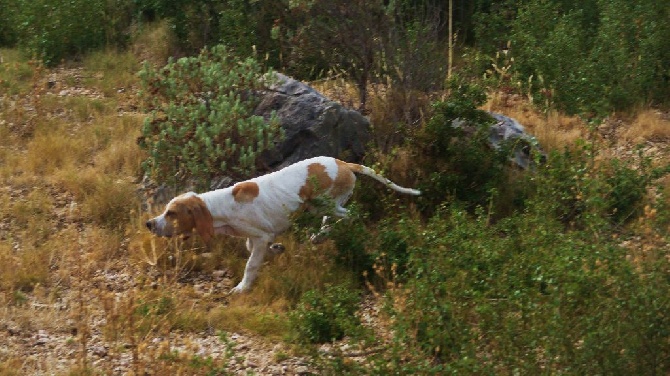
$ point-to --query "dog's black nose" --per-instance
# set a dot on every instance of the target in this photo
(150, 225)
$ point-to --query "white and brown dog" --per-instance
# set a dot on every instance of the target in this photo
(260, 209)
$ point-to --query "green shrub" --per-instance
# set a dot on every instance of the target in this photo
(327, 315)
(599, 56)
(550, 289)
(627, 187)
(580, 194)
(351, 239)
(8, 31)
(201, 122)
(523, 296)
(243, 26)
(459, 163)
(56, 30)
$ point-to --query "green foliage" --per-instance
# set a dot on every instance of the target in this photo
(201, 122)
(8, 31)
(323, 316)
(243, 26)
(56, 30)
(461, 164)
(582, 195)
(524, 296)
(547, 289)
(602, 56)
(350, 239)
(589, 57)
(627, 186)
(395, 236)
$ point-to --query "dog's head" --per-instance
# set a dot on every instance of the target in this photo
(182, 215)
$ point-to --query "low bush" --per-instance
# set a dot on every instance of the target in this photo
(551, 288)
(201, 122)
(581, 192)
(54, 30)
(328, 315)
(457, 162)
(524, 297)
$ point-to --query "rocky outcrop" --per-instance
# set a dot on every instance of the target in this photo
(505, 131)
(313, 125)
(525, 148)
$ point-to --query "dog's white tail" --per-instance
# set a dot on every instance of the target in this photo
(371, 173)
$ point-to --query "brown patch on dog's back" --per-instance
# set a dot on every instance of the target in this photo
(345, 179)
(351, 166)
(317, 181)
(245, 192)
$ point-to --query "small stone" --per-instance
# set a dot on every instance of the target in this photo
(302, 370)
(100, 351)
(218, 274)
(13, 330)
(250, 364)
(41, 338)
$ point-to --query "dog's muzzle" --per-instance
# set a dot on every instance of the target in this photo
(157, 228)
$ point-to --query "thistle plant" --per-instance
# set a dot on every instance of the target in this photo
(200, 119)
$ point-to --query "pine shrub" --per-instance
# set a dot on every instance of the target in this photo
(201, 122)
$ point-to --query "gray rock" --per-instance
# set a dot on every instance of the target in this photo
(525, 147)
(313, 124)
(506, 131)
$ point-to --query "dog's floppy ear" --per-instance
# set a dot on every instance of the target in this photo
(202, 218)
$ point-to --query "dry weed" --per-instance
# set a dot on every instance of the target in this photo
(336, 87)
(155, 44)
(121, 156)
(53, 148)
(554, 130)
(648, 125)
(115, 72)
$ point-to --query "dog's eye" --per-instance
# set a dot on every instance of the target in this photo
(170, 213)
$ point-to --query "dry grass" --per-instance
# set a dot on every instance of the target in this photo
(337, 88)
(553, 130)
(113, 72)
(62, 218)
(52, 149)
(15, 72)
(280, 283)
(121, 156)
(155, 44)
(647, 125)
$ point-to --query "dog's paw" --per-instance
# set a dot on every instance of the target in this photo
(276, 248)
(320, 236)
(239, 289)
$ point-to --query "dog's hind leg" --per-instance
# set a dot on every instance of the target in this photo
(321, 236)
(324, 231)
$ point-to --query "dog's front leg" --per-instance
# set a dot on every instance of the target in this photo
(258, 247)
